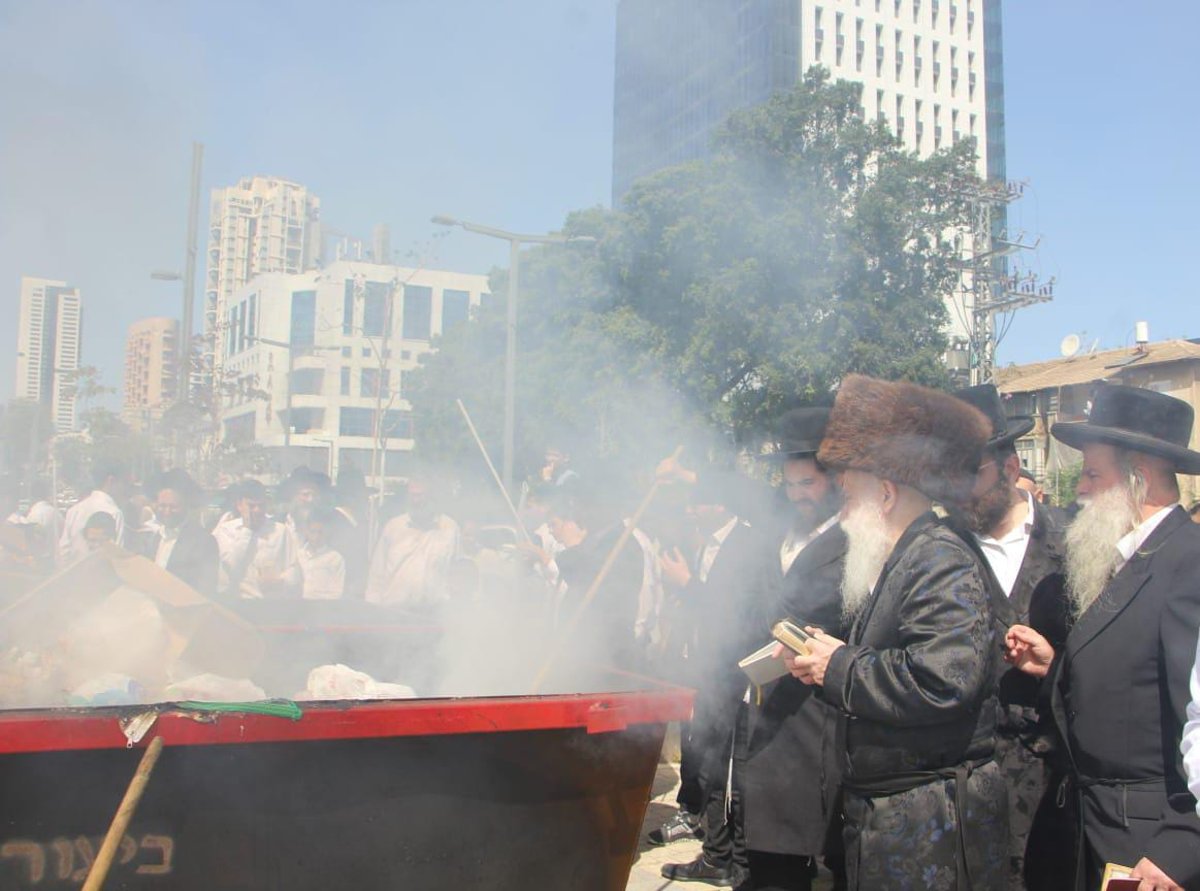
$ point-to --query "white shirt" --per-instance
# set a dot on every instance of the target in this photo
(411, 565)
(1005, 555)
(650, 597)
(275, 552)
(49, 522)
(1129, 543)
(166, 544)
(72, 545)
(793, 545)
(324, 573)
(1190, 744)
(709, 556)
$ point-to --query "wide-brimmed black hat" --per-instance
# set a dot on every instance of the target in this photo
(1139, 420)
(1005, 430)
(800, 432)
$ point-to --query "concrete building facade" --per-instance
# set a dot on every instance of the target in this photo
(317, 361)
(49, 345)
(151, 371)
(261, 225)
(1061, 390)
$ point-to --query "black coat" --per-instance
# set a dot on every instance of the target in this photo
(725, 631)
(1119, 694)
(604, 636)
(789, 777)
(916, 688)
(194, 559)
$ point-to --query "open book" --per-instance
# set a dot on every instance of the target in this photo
(762, 666)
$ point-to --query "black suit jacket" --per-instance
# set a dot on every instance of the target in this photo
(1119, 694)
(194, 559)
(790, 771)
(725, 632)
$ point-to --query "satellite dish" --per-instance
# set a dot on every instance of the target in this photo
(1070, 345)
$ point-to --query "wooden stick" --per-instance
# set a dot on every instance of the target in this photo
(116, 831)
(492, 467)
(562, 639)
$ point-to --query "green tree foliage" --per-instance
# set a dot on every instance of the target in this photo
(724, 292)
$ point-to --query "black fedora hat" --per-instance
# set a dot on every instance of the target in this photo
(1005, 430)
(800, 432)
(1139, 420)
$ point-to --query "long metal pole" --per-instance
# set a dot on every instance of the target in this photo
(492, 467)
(184, 348)
(510, 359)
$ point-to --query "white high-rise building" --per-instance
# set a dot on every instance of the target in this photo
(316, 363)
(932, 69)
(49, 330)
(151, 370)
(262, 225)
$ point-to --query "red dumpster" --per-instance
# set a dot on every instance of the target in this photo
(529, 792)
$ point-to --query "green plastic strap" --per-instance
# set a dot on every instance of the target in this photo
(276, 708)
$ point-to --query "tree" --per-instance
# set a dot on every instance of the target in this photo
(727, 291)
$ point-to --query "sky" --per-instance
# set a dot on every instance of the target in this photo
(501, 113)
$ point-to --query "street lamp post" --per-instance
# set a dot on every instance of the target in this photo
(515, 240)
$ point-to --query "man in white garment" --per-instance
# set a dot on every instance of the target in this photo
(412, 560)
(259, 554)
(112, 485)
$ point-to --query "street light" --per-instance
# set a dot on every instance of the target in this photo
(515, 240)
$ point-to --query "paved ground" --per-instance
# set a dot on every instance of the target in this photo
(646, 874)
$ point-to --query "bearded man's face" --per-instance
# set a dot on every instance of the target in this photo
(1112, 500)
(991, 499)
(868, 543)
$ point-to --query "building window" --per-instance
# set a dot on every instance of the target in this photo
(841, 38)
(879, 50)
(373, 382)
(879, 115)
(916, 11)
(937, 65)
(933, 10)
(345, 382)
(456, 308)
(937, 127)
(302, 419)
(304, 318)
(916, 61)
(920, 126)
(955, 135)
(899, 55)
(860, 46)
(347, 352)
(308, 381)
(900, 117)
(418, 312)
(953, 15)
(818, 32)
(375, 308)
(394, 424)
(348, 308)
(252, 316)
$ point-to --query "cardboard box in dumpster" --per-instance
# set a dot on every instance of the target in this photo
(159, 616)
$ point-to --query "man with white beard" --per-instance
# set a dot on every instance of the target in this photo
(1119, 685)
(915, 683)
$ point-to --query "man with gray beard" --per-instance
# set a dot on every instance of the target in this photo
(915, 682)
(1119, 684)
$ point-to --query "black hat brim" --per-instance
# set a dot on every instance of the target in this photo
(1077, 434)
(1017, 426)
(794, 449)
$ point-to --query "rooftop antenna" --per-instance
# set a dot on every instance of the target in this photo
(1070, 345)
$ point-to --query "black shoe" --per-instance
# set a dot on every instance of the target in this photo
(682, 825)
(700, 870)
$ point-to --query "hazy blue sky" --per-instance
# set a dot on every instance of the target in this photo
(501, 112)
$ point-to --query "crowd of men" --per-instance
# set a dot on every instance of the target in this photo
(994, 693)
